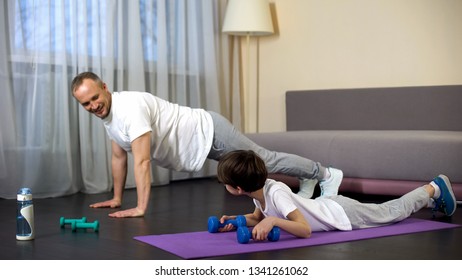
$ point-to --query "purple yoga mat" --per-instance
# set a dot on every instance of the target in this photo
(194, 245)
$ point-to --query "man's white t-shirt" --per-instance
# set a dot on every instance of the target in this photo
(322, 214)
(181, 137)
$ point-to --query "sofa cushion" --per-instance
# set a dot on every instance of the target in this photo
(390, 155)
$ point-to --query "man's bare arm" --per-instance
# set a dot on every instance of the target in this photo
(141, 149)
(119, 175)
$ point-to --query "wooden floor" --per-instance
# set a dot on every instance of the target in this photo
(184, 206)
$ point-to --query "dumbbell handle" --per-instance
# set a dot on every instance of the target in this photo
(230, 221)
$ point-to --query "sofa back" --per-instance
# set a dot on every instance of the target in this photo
(399, 108)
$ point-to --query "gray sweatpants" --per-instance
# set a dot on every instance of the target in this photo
(227, 138)
(366, 215)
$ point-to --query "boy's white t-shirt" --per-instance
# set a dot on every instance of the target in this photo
(181, 137)
(322, 214)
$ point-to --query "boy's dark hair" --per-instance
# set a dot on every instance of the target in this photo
(244, 169)
(78, 80)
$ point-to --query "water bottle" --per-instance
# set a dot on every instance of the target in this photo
(25, 215)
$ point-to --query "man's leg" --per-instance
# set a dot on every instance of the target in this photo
(227, 138)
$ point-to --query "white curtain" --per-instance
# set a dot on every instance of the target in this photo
(173, 49)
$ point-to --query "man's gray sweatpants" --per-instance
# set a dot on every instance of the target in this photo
(227, 138)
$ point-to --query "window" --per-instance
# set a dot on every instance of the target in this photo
(43, 28)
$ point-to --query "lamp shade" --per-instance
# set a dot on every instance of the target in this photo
(248, 17)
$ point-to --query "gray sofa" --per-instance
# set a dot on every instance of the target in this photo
(387, 141)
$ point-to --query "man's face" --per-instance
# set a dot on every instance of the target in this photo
(94, 98)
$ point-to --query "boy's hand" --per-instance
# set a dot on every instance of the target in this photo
(261, 230)
(228, 227)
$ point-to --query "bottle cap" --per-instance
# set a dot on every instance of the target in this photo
(24, 194)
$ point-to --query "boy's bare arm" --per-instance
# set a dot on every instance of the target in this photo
(295, 224)
(251, 220)
(254, 218)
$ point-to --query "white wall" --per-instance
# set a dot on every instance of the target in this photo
(323, 44)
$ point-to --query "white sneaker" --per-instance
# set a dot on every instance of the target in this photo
(307, 187)
(330, 186)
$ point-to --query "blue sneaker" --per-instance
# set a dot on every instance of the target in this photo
(446, 202)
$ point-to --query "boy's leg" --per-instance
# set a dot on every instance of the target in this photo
(366, 215)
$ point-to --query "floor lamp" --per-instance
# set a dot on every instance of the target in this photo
(248, 18)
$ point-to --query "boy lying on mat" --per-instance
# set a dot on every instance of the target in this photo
(244, 173)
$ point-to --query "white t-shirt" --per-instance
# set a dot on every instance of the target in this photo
(181, 137)
(322, 214)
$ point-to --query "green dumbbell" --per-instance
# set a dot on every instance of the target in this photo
(94, 226)
(63, 221)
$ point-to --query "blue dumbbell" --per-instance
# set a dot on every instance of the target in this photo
(214, 223)
(244, 235)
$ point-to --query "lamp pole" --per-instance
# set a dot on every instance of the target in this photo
(248, 18)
